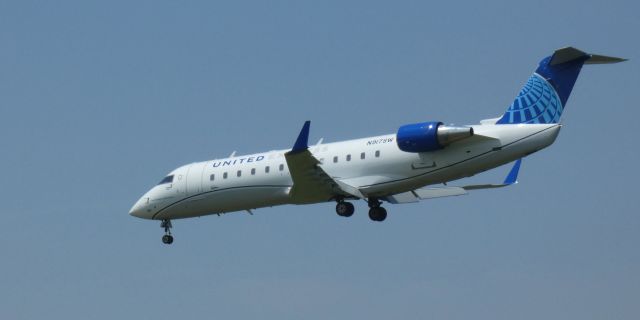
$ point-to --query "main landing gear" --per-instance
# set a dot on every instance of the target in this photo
(376, 212)
(167, 238)
(344, 209)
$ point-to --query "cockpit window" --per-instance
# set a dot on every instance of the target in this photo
(167, 179)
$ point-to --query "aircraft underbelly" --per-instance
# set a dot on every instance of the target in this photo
(227, 200)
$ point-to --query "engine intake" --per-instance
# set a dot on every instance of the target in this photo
(429, 136)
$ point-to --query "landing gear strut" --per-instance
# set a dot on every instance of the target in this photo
(167, 238)
(376, 212)
(344, 209)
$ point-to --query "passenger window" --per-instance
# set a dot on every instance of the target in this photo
(348, 157)
(253, 171)
(239, 173)
(362, 156)
(224, 175)
(167, 179)
(212, 177)
(281, 167)
(335, 159)
(266, 169)
(377, 153)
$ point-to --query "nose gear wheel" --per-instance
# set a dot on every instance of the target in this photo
(167, 238)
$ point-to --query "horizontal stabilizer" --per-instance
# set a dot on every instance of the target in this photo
(569, 54)
(599, 59)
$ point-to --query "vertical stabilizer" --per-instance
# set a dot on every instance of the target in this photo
(544, 96)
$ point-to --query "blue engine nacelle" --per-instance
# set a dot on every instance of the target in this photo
(429, 136)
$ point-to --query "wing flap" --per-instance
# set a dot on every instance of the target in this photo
(405, 197)
(430, 193)
(424, 194)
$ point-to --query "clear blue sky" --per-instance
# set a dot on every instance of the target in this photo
(99, 100)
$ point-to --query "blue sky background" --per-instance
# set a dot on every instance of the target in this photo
(99, 100)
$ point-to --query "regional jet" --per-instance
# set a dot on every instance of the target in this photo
(415, 163)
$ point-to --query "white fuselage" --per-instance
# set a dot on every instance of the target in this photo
(374, 165)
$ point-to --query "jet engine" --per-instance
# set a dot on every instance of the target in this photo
(429, 136)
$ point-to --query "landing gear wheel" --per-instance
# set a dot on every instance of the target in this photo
(377, 214)
(167, 239)
(345, 209)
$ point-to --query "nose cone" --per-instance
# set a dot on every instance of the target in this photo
(139, 209)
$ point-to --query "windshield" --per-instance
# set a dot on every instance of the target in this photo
(167, 179)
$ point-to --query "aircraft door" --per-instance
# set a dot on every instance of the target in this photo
(179, 180)
(194, 178)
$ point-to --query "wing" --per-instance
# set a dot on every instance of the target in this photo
(310, 182)
(439, 192)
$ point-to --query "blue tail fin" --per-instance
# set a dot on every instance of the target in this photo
(544, 96)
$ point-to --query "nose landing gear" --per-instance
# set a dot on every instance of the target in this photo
(167, 238)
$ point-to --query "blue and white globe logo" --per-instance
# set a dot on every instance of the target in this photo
(537, 102)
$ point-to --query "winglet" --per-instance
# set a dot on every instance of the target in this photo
(302, 143)
(512, 177)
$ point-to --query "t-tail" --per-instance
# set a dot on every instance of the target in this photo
(544, 96)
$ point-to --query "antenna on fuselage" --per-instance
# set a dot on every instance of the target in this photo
(233, 154)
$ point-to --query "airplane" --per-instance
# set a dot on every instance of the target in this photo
(415, 163)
